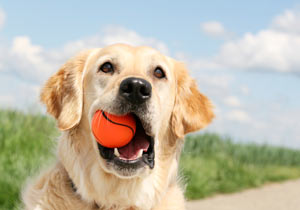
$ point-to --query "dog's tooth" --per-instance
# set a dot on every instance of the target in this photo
(140, 153)
(116, 152)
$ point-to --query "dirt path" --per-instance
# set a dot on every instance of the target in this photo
(282, 196)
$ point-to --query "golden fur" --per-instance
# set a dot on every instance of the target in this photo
(75, 92)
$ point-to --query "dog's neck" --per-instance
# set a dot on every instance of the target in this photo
(74, 189)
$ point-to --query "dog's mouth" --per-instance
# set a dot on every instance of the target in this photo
(136, 154)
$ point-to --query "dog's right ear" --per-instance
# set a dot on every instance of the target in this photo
(192, 110)
(63, 94)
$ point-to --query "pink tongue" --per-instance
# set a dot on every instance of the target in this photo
(131, 150)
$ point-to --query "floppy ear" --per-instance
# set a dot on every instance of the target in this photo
(62, 93)
(192, 110)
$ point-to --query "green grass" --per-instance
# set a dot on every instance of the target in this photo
(24, 145)
(209, 164)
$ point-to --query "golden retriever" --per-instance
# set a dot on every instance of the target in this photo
(119, 79)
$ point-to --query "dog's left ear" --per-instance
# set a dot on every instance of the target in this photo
(63, 94)
(192, 110)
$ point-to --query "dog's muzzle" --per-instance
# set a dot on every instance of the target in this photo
(139, 152)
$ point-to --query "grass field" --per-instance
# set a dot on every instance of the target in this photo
(25, 143)
(209, 164)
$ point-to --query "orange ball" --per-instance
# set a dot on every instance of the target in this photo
(113, 131)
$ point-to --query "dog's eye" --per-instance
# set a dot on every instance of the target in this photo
(106, 67)
(159, 73)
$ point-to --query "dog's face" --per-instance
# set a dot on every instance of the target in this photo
(121, 79)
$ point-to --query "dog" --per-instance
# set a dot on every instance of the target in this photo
(119, 79)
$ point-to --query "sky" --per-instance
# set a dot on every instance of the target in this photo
(244, 55)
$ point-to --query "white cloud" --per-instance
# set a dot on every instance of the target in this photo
(244, 90)
(278, 130)
(267, 50)
(276, 48)
(26, 60)
(232, 101)
(2, 18)
(288, 22)
(239, 116)
(17, 93)
(113, 35)
(213, 80)
(22, 46)
(215, 29)
(7, 100)
(30, 61)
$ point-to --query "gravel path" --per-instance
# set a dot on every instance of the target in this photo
(282, 196)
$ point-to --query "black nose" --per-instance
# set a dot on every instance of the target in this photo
(135, 90)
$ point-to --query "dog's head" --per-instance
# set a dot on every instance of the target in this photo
(121, 79)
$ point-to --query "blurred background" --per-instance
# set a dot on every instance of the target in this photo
(245, 56)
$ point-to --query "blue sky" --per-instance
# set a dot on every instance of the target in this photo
(52, 23)
(245, 56)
